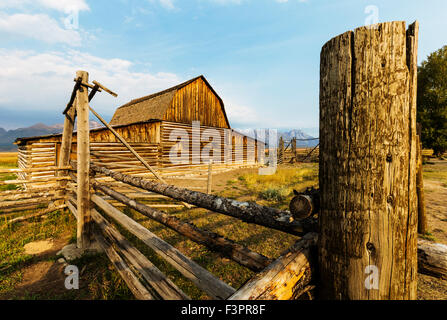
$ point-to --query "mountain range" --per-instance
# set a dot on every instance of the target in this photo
(303, 139)
(7, 137)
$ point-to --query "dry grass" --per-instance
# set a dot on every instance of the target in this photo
(436, 171)
(8, 159)
(277, 189)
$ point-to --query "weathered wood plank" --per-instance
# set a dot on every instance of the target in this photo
(191, 270)
(234, 251)
(132, 281)
(164, 287)
(286, 277)
(432, 259)
(84, 227)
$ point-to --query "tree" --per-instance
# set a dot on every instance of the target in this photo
(432, 101)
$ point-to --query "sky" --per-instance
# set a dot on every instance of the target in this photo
(261, 56)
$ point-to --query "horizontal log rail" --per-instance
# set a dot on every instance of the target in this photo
(249, 212)
(136, 287)
(20, 203)
(239, 253)
(157, 283)
(37, 214)
(202, 278)
(432, 259)
(34, 181)
(23, 194)
(32, 170)
(287, 277)
(164, 288)
(13, 211)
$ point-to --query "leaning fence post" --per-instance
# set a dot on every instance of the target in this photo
(368, 213)
(65, 151)
(84, 232)
(422, 219)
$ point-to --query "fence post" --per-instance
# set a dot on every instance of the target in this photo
(368, 215)
(65, 150)
(84, 232)
(281, 150)
(422, 219)
(210, 177)
(294, 154)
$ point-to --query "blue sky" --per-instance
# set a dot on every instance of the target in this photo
(261, 56)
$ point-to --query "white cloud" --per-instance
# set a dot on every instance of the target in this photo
(167, 4)
(241, 113)
(284, 1)
(65, 5)
(44, 81)
(38, 26)
(60, 5)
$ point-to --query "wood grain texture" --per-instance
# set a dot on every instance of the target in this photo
(367, 161)
(84, 227)
(432, 259)
(197, 102)
(203, 279)
(286, 277)
(214, 241)
(164, 288)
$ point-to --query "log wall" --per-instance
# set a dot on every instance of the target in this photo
(232, 147)
(37, 155)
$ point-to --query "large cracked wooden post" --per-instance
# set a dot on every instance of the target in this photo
(368, 215)
(84, 232)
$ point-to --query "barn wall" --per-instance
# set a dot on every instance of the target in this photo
(240, 149)
(197, 102)
(37, 155)
(235, 148)
(148, 132)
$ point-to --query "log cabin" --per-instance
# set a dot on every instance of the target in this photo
(183, 126)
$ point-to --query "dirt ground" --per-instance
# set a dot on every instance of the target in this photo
(43, 276)
(436, 206)
(48, 276)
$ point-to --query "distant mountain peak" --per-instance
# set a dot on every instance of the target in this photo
(7, 137)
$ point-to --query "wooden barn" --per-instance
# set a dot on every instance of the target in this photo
(155, 126)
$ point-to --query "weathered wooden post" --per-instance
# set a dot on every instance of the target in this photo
(368, 215)
(210, 177)
(281, 150)
(65, 150)
(83, 164)
(294, 154)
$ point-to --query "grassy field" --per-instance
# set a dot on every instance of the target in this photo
(8, 160)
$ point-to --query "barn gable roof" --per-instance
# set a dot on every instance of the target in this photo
(154, 106)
